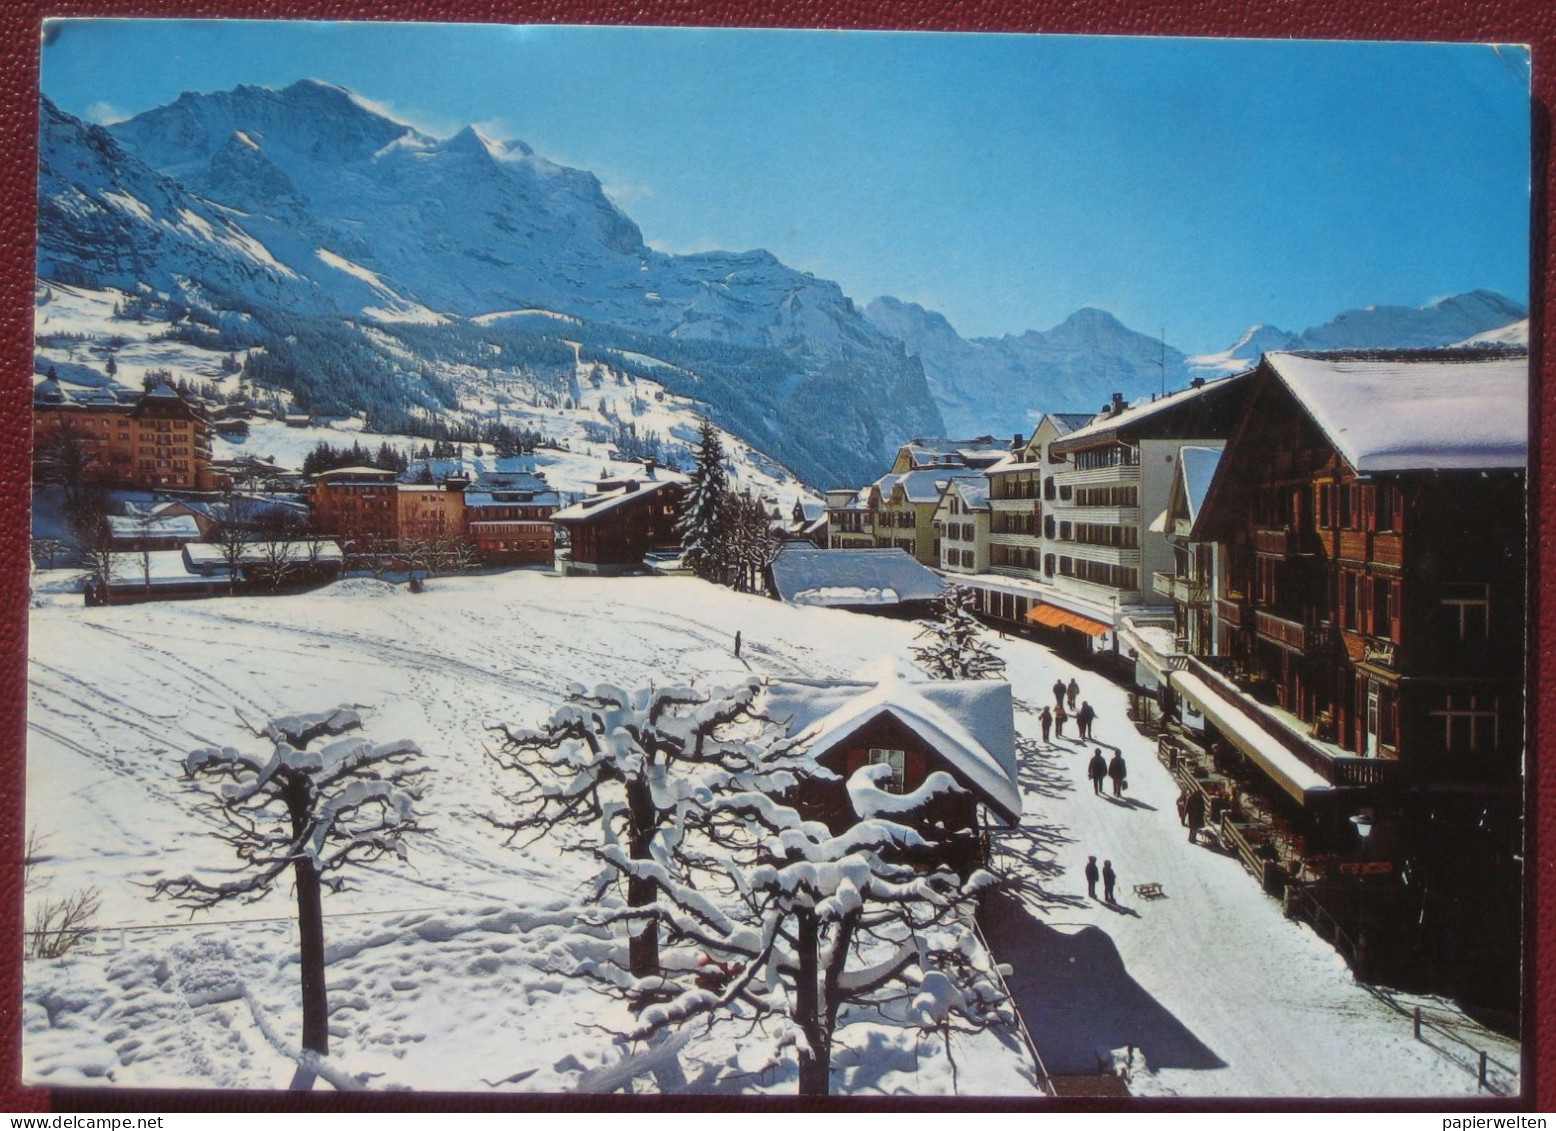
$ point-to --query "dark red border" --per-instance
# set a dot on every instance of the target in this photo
(1508, 21)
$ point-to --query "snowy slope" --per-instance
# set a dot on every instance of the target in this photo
(311, 200)
(76, 332)
(436, 972)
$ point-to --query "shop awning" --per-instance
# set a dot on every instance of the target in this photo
(1283, 767)
(1055, 617)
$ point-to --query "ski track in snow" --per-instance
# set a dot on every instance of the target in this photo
(119, 694)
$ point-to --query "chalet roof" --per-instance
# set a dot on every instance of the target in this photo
(943, 452)
(806, 575)
(1137, 419)
(602, 502)
(926, 486)
(974, 490)
(1067, 422)
(161, 569)
(1442, 410)
(968, 722)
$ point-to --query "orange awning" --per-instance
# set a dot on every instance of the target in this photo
(1055, 617)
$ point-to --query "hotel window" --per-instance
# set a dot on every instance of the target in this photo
(1469, 723)
(1467, 610)
(898, 761)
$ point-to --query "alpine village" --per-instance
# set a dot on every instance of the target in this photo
(708, 712)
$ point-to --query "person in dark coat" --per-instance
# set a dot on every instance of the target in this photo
(1097, 769)
(1058, 693)
(1116, 771)
(1047, 721)
(1109, 878)
(737, 645)
(1194, 811)
(1074, 689)
(1091, 876)
(1084, 719)
(1183, 806)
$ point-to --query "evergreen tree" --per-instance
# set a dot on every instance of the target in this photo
(954, 647)
(702, 525)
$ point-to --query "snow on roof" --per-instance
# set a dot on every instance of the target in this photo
(974, 490)
(313, 550)
(353, 472)
(939, 450)
(1413, 412)
(1284, 767)
(1197, 466)
(167, 526)
(604, 501)
(1106, 423)
(969, 722)
(161, 567)
(1067, 422)
(926, 486)
(812, 576)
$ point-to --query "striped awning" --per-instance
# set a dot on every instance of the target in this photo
(1055, 617)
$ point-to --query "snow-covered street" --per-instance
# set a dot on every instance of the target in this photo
(437, 971)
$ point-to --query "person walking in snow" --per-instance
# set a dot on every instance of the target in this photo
(1091, 876)
(1074, 689)
(1046, 719)
(1058, 693)
(1084, 718)
(1194, 811)
(1183, 806)
(737, 644)
(1060, 718)
(1096, 770)
(1109, 877)
(1116, 771)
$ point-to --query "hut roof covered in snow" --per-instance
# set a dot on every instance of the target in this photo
(967, 722)
(806, 575)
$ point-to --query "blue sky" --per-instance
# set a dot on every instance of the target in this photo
(1188, 186)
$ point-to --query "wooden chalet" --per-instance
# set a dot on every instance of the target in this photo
(1367, 639)
(962, 730)
(612, 531)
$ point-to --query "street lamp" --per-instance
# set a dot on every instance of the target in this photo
(1363, 823)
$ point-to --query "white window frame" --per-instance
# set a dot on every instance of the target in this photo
(897, 760)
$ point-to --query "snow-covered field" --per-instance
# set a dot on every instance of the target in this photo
(434, 972)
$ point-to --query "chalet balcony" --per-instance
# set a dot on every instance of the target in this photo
(1353, 545)
(1116, 473)
(1232, 610)
(1183, 590)
(1281, 744)
(1282, 542)
(1388, 549)
(1292, 635)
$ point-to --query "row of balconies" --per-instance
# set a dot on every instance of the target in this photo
(1116, 473)
(1379, 547)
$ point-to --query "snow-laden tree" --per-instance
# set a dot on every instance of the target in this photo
(315, 813)
(747, 541)
(954, 646)
(616, 768)
(701, 526)
(775, 918)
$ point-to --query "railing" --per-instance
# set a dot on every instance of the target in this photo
(1336, 769)
(1184, 590)
(1232, 610)
(1291, 634)
(1274, 541)
(1117, 473)
(1388, 549)
(1353, 545)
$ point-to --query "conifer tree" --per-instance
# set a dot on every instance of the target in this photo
(701, 524)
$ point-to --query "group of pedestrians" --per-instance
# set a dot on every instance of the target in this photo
(1106, 875)
(1113, 769)
(1054, 718)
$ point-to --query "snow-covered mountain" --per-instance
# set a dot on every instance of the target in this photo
(309, 200)
(1002, 384)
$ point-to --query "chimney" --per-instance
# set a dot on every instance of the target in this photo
(1016, 441)
(1118, 403)
(630, 486)
(1197, 383)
